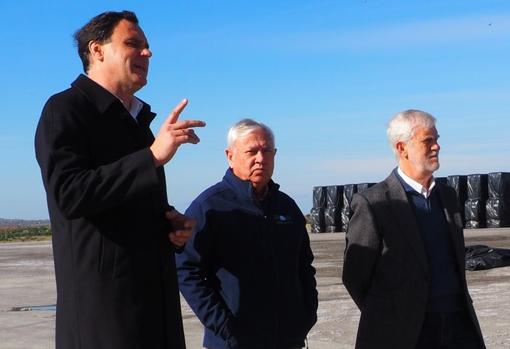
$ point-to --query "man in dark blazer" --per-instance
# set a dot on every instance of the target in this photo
(114, 233)
(404, 258)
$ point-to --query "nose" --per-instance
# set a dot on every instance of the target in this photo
(259, 157)
(436, 146)
(146, 52)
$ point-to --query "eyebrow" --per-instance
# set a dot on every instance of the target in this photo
(137, 41)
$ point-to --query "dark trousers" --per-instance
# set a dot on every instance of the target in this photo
(448, 331)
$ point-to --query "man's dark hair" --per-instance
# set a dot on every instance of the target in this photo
(99, 29)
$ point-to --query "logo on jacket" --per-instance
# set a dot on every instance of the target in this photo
(282, 219)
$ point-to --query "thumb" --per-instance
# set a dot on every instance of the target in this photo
(172, 214)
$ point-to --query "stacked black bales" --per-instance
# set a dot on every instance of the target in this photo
(349, 191)
(459, 184)
(317, 212)
(498, 203)
(333, 210)
(474, 208)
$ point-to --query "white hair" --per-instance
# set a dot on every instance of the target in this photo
(245, 127)
(402, 126)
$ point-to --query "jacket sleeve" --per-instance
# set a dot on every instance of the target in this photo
(361, 251)
(307, 275)
(79, 187)
(197, 280)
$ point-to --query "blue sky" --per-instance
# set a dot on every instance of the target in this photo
(325, 75)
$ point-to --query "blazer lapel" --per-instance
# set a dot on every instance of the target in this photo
(405, 218)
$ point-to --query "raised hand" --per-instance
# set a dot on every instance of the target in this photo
(172, 134)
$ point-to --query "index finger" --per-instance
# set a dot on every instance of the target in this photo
(174, 114)
(188, 124)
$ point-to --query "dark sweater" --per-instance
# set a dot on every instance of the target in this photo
(445, 282)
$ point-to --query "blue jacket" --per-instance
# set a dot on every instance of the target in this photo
(247, 270)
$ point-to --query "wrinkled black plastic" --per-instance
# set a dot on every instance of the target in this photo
(346, 217)
(481, 257)
(459, 184)
(349, 191)
(363, 186)
(499, 185)
(498, 213)
(319, 197)
(335, 196)
(477, 187)
(317, 220)
(474, 211)
(474, 224)
(333, 219)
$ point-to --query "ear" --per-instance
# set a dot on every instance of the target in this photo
(401, 149)
(96, 52)
(230, 154)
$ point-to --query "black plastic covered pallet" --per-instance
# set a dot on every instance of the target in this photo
(349, 191)
(499, 185)
(346, 217)
(477, 187)
(334, 196)
(317, 220)
(497, 213)
(333, 219)
(474, 211)
(319, 197)
(459, 184)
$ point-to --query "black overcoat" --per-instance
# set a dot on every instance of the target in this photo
(114, 265)
(385, 265)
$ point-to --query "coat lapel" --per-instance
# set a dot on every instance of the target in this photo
(404, 216)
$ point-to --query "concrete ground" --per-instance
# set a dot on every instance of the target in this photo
(27, 282)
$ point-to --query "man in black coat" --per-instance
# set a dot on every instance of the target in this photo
(404, 258)
(114, 233)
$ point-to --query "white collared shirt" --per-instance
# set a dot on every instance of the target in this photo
(136, 106)
(417, 186)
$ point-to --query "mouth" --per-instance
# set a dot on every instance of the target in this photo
(141, 68)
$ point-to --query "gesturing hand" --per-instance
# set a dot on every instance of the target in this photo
(172, 134)
(182, 227)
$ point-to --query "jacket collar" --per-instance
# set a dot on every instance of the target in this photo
(103, 100)
(244, 189)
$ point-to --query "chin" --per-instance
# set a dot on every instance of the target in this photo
(259, 183)
(138, 85)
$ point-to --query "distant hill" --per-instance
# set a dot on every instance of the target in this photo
(23, 222)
